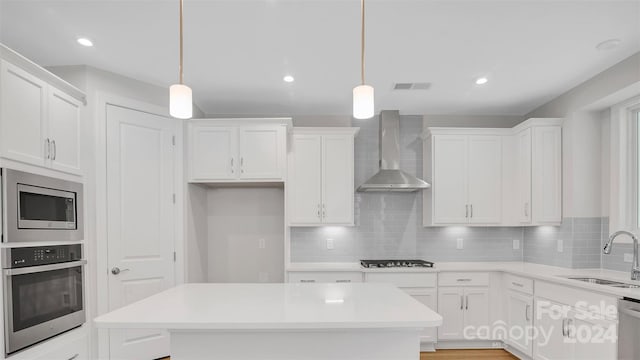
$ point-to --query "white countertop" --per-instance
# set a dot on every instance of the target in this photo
(536, 271)
(274, 307)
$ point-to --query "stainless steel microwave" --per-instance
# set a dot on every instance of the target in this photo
(40, 208)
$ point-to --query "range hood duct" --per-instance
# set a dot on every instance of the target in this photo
(390, 177)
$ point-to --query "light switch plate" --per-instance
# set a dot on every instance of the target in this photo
(560, 245)
(628, 257)
(460, 244)
(516, 244)
(330, 244)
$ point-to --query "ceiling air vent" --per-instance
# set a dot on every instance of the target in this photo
(412, 86)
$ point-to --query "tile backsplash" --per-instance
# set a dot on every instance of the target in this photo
(389, 225)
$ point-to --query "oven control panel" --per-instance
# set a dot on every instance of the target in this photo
(40, 255)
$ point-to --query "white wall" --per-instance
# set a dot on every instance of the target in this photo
(237, 219)
(494, 121)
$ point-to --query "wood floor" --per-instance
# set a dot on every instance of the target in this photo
(493, 354)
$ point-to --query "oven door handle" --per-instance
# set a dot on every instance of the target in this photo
(41, 268)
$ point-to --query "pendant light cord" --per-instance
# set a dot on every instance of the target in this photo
(362, 44)
(181, 51)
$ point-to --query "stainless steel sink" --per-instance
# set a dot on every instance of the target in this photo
(598, 281)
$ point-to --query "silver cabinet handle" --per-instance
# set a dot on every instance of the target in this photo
(74, 357)
(307, 281)
(324, 211)
(570, 333)
(526, 312)
(343, 281)
(564, 327)
(466, 211)
(466, 298)
(471, 210)
(463, 280)
(116, 270)
(232, 165)
(516, 284)
(526, 209)
(55, 150)
(319, 214)
(47, 147)
(241, 164)
(461, 302)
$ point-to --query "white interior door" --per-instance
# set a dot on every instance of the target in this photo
(485, 179)
(140, 225)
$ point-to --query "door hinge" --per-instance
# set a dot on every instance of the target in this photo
(173, 140)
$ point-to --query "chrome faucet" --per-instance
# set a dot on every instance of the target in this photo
(635, 268)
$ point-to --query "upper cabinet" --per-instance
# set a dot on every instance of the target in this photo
(320, 183)
(466, 179)
(494, 177)
(237, 150)
(39, 123)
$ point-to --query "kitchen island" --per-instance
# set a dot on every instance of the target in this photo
(282, 321)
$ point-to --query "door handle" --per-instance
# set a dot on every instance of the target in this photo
(116, 270)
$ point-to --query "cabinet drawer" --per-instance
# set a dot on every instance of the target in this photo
(404, 280)
(463, 279)
(325, 276)
(520, 284)
(78, 349)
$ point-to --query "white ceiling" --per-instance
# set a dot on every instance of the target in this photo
(236, 51)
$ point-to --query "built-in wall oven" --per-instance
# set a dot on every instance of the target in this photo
(40, 208)
(43, 293)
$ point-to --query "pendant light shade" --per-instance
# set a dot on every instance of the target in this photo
(180, 101)
(363, 102)
(180, 97)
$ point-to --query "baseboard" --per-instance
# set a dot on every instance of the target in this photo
(469, 344)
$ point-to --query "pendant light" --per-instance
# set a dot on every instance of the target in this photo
(180, 99)
(363, 107)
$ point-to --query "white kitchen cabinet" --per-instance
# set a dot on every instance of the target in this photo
(320, 184)
(547, 175)
(520, 321)
(64, 131)
(324, 276)
(462, 308)
(39, 124)
(237, 150)
(429, 297)
(594, 338)
(466, 179)
(523, 176)
(556, 345)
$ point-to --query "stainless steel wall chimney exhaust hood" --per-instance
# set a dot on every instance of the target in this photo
(390, 177)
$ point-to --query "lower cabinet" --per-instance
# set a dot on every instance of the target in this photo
(325, 276)
(464, 310)
(76, 350)
(520, 321)
(429, 297)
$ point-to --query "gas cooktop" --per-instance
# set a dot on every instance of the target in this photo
(395, 263)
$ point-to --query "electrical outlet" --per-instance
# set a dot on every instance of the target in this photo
(330, 244)
(261, 244)
(560, 245)
(460, 244)
(628, 257)
(516, 244)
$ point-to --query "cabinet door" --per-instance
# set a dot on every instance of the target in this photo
(213, 153)
(304, 180)
(428, 297)
(476, 310)
(594, 339)
(64, 131)
(520, 321)
(262, 153)
(554, 345)
(450, 179)
(22, 116)
(337, 179)
(547, 174)
(523, 177)
(485, 179)
(451, 307)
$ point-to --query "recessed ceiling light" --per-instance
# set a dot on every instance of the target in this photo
(85, 42)
(288, 78)
(608, 44)
(481, 80)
